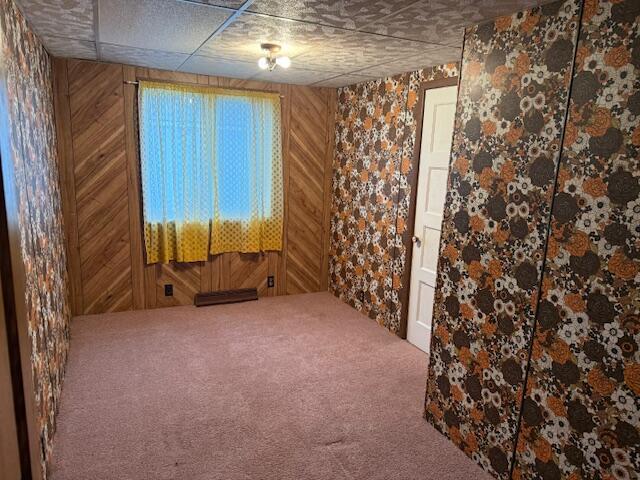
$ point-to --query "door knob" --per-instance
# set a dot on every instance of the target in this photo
(415, 240)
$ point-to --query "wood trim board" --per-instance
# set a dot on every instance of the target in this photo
(418, 113)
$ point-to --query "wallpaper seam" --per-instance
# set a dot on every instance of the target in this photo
(453, 136)
(393, 311)
(581, 407)
(506, 156)
(534, 325)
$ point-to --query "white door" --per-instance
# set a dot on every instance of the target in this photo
(437, 132)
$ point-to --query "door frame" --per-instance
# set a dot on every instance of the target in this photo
(418, 113)
(13, 320)
(13, 274)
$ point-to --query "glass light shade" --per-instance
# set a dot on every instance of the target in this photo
(263, 63)
(284, 62)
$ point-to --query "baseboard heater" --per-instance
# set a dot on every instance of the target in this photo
(225, 296)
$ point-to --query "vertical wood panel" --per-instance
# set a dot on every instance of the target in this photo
(305, 206)
(281, 276)
(206, 277)
(133, 188)
(150, 297)
(12, 423)
(100, 171)
(67, 183)
(150, 287)
(96, 99)
(332, 104)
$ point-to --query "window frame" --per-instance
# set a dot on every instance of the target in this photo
(278, 89)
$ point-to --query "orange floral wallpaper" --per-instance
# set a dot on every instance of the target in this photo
(535, 365)
(512, 106)
(581, 412)
(372, 182)
(32, 149)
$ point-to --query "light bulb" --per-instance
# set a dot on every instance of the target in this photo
(284, 62)
(263, 63)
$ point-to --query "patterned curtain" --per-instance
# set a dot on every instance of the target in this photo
(211, 166)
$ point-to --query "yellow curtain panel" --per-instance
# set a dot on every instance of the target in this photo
(211, 169)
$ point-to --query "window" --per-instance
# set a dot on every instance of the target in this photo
(211, 169)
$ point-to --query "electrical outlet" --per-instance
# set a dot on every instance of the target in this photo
(271, 281)
(168, 290)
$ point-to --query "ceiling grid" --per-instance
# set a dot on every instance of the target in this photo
(332, 43)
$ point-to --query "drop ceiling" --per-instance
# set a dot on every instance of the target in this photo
(331, 43)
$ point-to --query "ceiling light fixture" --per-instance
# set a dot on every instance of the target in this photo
(270, 60)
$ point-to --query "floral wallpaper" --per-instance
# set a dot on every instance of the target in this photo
(581, 413)
(511, 111)
(372, 181)
(32, 149)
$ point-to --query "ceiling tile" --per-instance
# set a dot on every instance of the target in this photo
(69, 48)
(61, 18)
(330, 41)
(221, 3)
(443, 21)
(141, 57)
(296, 76)
(358, 51)
(220, 67)
(342, 81)
(241, 40)
(341, 13)
(431, 57)
(167, 25)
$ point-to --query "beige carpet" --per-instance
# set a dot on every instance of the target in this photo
(297, 387)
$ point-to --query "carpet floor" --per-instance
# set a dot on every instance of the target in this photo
(296, 387)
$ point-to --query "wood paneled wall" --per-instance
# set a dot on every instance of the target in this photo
(99, 168)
